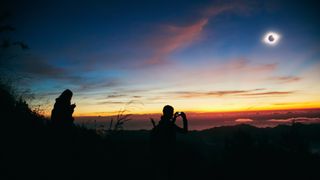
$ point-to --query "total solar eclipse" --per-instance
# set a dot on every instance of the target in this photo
(271, 38)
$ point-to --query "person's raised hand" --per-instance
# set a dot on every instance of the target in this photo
(183, 115)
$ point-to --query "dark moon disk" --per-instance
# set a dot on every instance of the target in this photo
(271, 38)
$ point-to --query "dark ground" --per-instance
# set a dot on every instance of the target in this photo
(32, 149)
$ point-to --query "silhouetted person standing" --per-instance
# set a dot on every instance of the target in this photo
(163, 141)
(61, 115)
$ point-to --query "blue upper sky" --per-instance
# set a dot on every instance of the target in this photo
(156, 52)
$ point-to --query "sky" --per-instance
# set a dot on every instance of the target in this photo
(198, 56)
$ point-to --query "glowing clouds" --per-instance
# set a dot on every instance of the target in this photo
(271, 38)
(243, 120)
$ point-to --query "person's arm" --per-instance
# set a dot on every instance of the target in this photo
(185, 124)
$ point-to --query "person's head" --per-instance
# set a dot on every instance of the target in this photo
(168, 112)
(66, 95)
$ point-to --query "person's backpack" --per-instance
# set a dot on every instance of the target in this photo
(162, 134)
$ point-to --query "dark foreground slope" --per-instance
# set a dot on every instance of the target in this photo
(32, 148)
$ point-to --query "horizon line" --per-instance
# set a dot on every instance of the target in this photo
(209, 112)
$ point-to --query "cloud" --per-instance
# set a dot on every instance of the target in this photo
(296, 119)
(137, 97)
(243, 120)
(94, 84)
(238, 93)
(192, 94)
(35, 69)
(301, 104)
(35, 66)
(174, 37)
(270, 93)
(241, 68)
(245, 66)
(115, 96)
(285, 79)
(111, 102)
(127, 106)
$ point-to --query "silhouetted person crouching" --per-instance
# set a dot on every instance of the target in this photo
(61, 115)
(163, 141)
